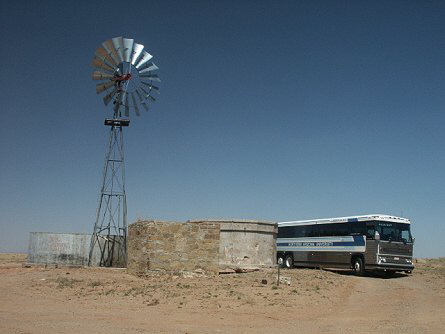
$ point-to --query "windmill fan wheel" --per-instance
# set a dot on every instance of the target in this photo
(127, 74)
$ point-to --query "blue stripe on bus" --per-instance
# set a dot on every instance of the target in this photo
(358, 241)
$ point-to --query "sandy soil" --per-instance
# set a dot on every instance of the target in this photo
(82, 300)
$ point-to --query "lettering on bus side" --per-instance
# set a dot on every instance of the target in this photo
(311, 244)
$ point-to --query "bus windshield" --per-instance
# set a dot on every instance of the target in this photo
(394, 231)
(404, 233)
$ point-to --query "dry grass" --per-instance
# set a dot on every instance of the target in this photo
(12, 258)
(431, 266)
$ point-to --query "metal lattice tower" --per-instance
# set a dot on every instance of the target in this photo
(110, 229)
(127, 74)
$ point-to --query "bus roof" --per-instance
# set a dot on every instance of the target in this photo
(369, 217)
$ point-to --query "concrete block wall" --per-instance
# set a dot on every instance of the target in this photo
(172, 246)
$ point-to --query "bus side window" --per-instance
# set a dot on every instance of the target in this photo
(357, 228)
(299, 232)
(312, 231)
(370, 231)
(286, 232)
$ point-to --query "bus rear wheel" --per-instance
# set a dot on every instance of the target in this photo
(288, 261)
(358, 266)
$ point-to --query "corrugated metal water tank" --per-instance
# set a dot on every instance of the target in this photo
(61, 248)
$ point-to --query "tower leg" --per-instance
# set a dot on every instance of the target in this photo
(108, 246)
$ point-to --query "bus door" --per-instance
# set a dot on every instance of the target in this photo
(372, 245)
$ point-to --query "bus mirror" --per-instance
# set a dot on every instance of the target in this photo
(376, 235)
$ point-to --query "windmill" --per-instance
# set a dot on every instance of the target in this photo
(127, 77)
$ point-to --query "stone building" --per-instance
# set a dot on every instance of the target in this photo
(211, 245)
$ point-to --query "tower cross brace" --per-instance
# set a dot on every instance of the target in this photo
(108, 246)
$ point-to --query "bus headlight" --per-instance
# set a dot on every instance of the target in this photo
(382, 259)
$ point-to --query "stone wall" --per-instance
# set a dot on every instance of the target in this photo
(172, 246)
(211, 245)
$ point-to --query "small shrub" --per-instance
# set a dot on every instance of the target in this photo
(109, 292)
(64, 282)
(93, 284)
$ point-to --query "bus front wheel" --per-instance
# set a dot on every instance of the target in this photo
(288, 261)
(358, 266)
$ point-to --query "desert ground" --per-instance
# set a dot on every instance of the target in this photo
(39, 299)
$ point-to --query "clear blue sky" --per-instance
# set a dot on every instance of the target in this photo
(274, 110)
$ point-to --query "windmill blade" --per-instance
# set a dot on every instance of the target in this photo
(118, 44)
(151, 86)
(99, 75)
(103, 70)
(147, 95)
(107, 99)
(137, 50)
(105, 61)
(128, 48)
(136, 109)
(102, 54)
(142, 99)
(148, 67)
(109, 47)
(150, 76)
(100, 64)
(138, 93)
(146, 57)
(104, 86)
(100, 69)
(144, 104)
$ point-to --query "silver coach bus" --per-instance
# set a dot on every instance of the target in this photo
(361, 243)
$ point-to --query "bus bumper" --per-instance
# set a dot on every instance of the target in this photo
(391, 267)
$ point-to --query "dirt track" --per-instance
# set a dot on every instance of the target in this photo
(68, 300)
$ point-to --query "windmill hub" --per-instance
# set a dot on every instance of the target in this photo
(120, 78)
